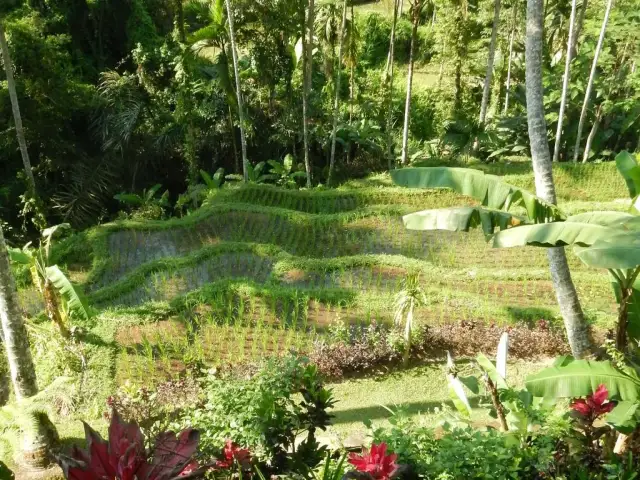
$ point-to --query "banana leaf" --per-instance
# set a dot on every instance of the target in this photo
(462, 219)
(491, 370)
(613, 252)
(578, 378)
(72, 295)
(490, 190)
(16, 255)
(557, 234)
(619, 220)
(624, 417)
(630, 170)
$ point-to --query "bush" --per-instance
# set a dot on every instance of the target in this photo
(265, 413)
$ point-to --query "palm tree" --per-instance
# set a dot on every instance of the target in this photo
(416, 9)
(570, 308)
(17, 117)
(14, 333)
(565, 79)
(236, 71)
(307, 71)
(492, 55)
(5, 387)
(592, 76)
(410, 296)
(336, 101)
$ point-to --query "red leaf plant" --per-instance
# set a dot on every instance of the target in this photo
(123, 456)
(594, 405)
(375, 462)
(233, 453)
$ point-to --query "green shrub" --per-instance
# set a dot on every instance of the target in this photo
(266, 413)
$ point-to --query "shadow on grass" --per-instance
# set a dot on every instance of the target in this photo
(377, 412)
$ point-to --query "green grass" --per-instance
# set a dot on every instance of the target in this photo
(418, 392)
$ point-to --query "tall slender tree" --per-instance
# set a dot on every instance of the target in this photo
(14, 332)
(336, 100)
(512, 36)
(416, 9)
(15, 107)
(570, 308)
(592, 76)
(307, 73)
(565, 80)
(236, 71)
(486, 91)
(389, 71)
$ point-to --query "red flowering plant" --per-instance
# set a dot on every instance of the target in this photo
(375, 462)
(232, 455)
(124, 457)
(594, 406)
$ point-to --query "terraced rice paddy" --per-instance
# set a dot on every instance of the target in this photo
(259, 271)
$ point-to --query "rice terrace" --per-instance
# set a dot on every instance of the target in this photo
(319, 240)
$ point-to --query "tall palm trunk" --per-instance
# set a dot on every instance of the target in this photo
(592, 76)
(574, 321)
(236, 71)
(352, 77)
(17, 118)
(492, 55)
(307, 66)
(389, 80)
(336, 100)
(5, 382)
(565, 80)
(14, 333)
(578, 29)
(407, 106)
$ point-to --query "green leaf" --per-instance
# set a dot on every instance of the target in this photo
(288, 163)
(614, 252)
(557, 234)
(23, 257)
(618, 220)
(458, 396)
(129, 198)
(624, 417)
(471, 383)
(490, 190)
(579, 378)
(461, 219)
(70, 294)
(630, 170)
(207, 179)
(491, 370)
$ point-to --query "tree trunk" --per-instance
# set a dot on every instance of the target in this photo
(407, 106)
(441, 73)
(575, 324)
(14, 332)
(565, 80)
(179, 20)
(578, 29)
(592, 76)
(352, 78)
(307, 54)
(389, 80)
(232, 131)
(336, 100)
(592, 134)
(236, 71)
(511, 38)
(457, 96)
(17, 118)
(492, 55)
(400, 7)
(5, 388)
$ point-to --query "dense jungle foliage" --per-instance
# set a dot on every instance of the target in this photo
(120, 95)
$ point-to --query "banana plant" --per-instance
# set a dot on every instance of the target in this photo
(62, 299)
(410, 296)
(285, 173)
(515, 409)
(608, 240)
(254, 174)
(148, 197)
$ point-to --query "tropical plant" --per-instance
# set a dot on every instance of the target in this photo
(410, 296)
(124, 457)
(254, 174)
(285, 173)
(147, 205)
(62, 299)
(196, 194)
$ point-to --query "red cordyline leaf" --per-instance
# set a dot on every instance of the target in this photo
(232, 452)
(125, 458)
(594, 405)
(375, 462)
